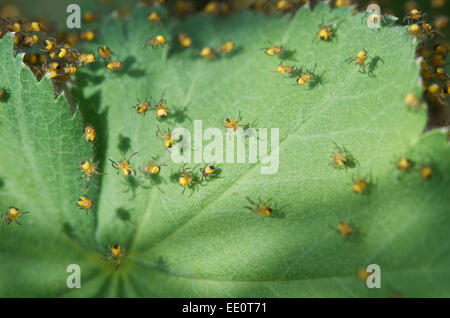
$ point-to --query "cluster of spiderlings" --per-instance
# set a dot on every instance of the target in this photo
(342, 158)
(47, 55)
(309, 77)
(187, 179)
(432, 53)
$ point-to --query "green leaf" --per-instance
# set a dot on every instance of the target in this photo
(205, 243)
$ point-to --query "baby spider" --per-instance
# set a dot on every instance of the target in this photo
(161, 110)
(89, 168)
(412, 100)
(308, 77)
(227, 47)
(155, 41)
(344, 229)
(184, 40)
(404, 164)
(151, 168)
(142, 107)
(285, 69)
(326, 32)
(359, 185)
(87, 36)
(154, 17)
(259, 207)
(167, 138)
(415, 15)
(426, 172)
(30, 40)
(207, 53)
(186, 179)
(273, 50)
(85, 58)
(360, 60)
(85, 203)
(231, 124)
(440, 49)
(208, 171)
(104, 51)
(116, 254)
(49, 44)
(414, 29)
(436, 94)
(343, 158)
(124, 165)
(69, 69)
(441, 75)
(362, 185)
(89, 133)
(114, 65)
(11, 216)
